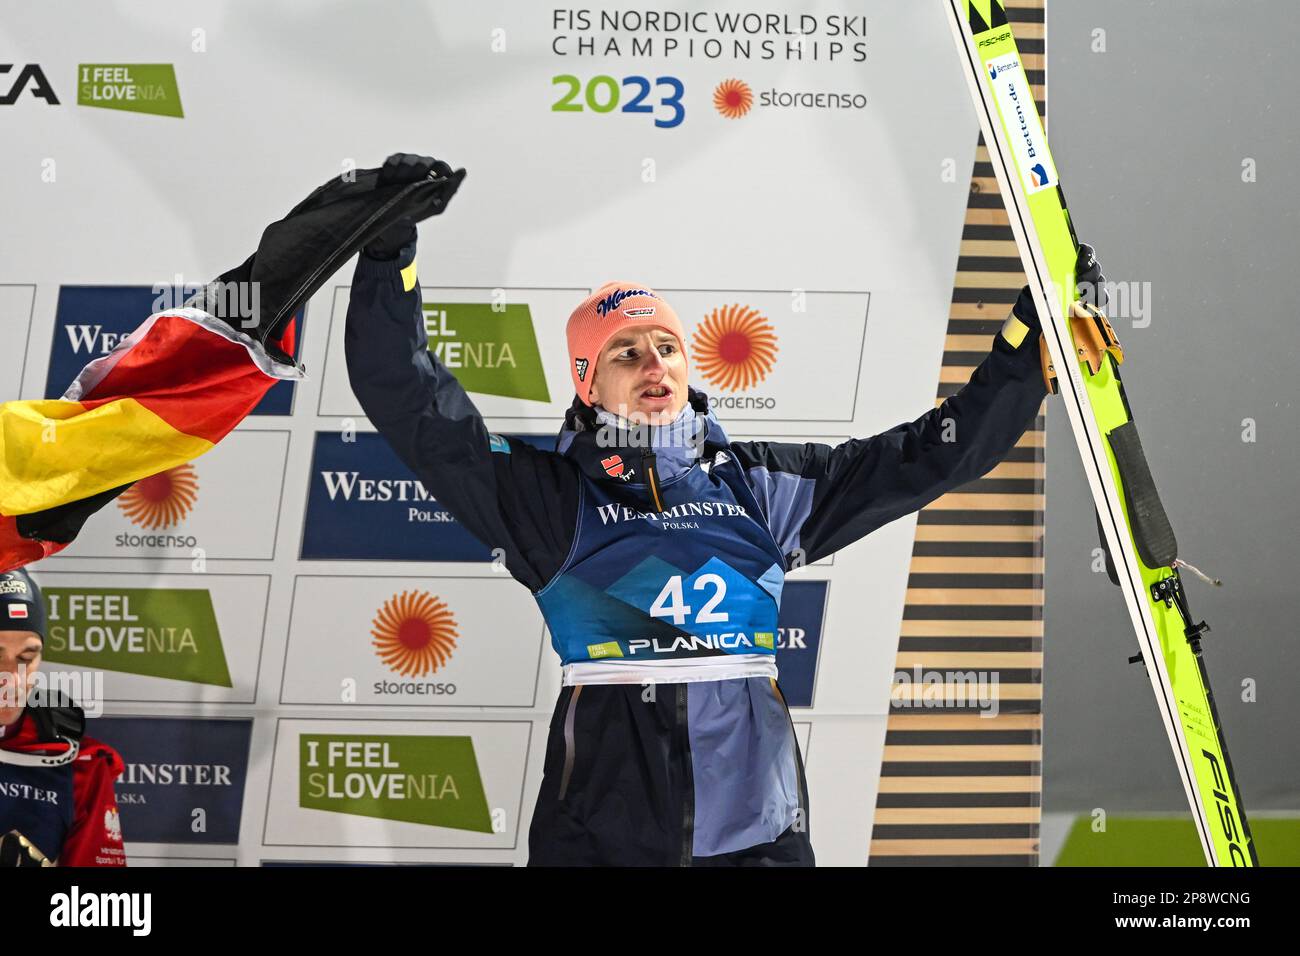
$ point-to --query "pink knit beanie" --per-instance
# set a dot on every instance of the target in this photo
(614, 306)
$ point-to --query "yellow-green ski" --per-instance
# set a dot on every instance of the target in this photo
(1086, 358)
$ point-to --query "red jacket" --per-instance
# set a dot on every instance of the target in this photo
(92, 832)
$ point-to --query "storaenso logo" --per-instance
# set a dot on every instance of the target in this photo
(32, 76)
(1227, 819)
(491, 349)
(160, 502)
(130, 910)
(733, 99)
(414, 633)
(734, 347)
(416, 779)
(170, 633)
(814, 100)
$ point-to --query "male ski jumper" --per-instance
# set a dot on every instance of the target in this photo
(659, 573)
(657, 554)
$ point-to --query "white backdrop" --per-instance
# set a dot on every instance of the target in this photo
(851, 214)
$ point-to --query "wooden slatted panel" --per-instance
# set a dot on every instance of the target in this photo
(958, 788)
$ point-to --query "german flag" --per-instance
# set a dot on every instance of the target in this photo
(167, 394)
(185, 378)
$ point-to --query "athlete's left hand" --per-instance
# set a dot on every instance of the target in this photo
(403, 168)
(1090, 288)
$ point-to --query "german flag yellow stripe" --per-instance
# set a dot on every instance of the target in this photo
(53, 452)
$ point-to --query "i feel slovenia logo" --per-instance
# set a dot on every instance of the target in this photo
(490, 347)
(136, 87)
(170, 633)
(162, 500)
(414, 633)
(417, 779)
(734, 348)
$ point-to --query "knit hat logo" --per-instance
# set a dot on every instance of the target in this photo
(609, 310)
(611, 301)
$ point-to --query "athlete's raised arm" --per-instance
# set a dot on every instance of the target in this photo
(821, 498)
(508, 494)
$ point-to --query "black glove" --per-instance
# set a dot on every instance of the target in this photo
(1090, 288)
(298, 254)
(401, 168)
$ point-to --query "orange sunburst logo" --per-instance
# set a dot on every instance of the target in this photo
(733, 98)
(414, 633)
(734, 347)
(161, 500)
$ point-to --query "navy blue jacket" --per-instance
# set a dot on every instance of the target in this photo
(816, 498)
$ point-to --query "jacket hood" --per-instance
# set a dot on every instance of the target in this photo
(612, 452)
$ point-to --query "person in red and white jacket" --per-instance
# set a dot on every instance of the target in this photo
(57, 805)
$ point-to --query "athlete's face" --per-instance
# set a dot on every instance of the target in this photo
(20, 655)
(641, 375)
